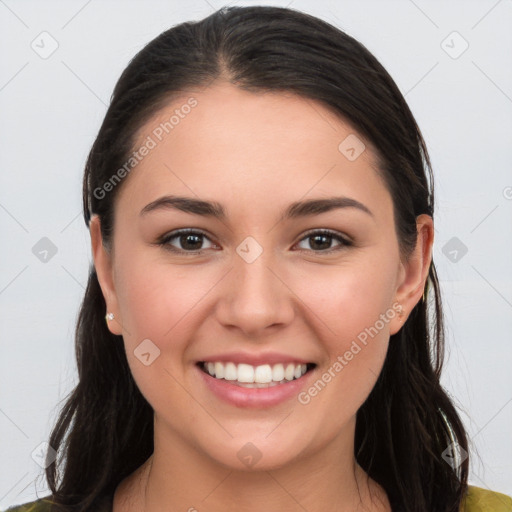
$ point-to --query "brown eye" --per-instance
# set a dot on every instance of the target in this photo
(191, 241)
(320, 241)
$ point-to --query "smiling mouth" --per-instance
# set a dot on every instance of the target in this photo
(262, 376)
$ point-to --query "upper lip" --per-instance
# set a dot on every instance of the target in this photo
(255, 359)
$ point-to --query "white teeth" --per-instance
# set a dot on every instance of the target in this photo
(218, 371)
(230, 371)
(245, 373)
(263, 375)
(278, 372)
(289, 372)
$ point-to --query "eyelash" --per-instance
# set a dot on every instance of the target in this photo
(165, 239)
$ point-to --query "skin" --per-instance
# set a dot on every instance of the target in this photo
(255, 153)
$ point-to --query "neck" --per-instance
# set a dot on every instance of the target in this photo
(182, 478)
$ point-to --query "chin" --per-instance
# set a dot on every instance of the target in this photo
(257, 453)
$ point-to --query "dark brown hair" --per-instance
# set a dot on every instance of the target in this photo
(105, 428)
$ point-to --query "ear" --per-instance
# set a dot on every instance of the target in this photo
(414, 273)
(103, 264)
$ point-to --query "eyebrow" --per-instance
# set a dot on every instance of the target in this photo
(216, 210)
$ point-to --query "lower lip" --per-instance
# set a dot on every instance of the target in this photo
(254, 397)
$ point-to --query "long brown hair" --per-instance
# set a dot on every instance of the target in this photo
(105, 428)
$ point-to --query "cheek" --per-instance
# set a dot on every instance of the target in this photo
(157, 301)
(350, 307)
(345, 299)
(356, 342)
(143, 284)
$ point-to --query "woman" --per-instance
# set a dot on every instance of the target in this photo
(260, 202)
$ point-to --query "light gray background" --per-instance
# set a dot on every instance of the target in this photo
(51, 110)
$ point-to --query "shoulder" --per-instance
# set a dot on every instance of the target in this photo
(103, 504)
(483, 500)
(40, 505)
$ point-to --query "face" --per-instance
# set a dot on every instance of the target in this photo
(255, 286)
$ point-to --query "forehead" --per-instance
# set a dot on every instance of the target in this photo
(224, 142)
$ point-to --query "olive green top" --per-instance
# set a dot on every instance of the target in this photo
(477, 500)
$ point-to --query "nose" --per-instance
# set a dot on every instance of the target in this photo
(254, 297)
